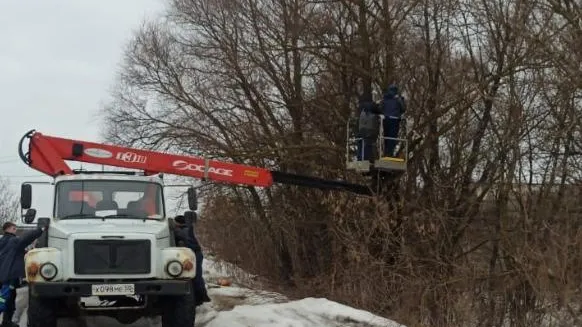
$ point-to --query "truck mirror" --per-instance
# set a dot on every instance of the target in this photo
(29, 216)
(25, 196)
(190, 217)
(192, 199)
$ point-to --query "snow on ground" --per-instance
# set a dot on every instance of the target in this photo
(309, 312)
(238, 306)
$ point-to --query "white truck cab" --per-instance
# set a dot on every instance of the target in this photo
(109, 238)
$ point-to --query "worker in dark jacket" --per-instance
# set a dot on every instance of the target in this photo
(368, 128)
(393, 108)
(12, 249)
(185, 237)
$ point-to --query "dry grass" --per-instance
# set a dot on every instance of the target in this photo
(491, 278)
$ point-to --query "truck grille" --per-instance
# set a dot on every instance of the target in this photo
(112, 257)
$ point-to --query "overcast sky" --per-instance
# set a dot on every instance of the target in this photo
(58, 60)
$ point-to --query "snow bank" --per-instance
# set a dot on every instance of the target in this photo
(309, 312)
(239, 306)
(212, 269)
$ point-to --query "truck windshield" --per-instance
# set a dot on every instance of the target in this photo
(109, 198)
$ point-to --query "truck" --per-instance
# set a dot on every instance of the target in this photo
(99, 244)
(109, 237)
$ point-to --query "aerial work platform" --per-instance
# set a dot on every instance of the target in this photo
(358, 160)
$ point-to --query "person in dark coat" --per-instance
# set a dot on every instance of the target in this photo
(394, 107)
(185, 237)
(368, 128)
(12, 250)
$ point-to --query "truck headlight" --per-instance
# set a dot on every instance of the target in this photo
(177, 262)
(48, 271)
(174, 268)
(43, 265)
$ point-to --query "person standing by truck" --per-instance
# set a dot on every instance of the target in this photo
(185, 236)
(12, 250)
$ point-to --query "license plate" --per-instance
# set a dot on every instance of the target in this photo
(113, 289)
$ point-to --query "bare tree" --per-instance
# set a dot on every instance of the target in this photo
(488, 202)
(8, 202)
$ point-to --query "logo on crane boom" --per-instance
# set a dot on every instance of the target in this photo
(131, 157)
(184, 165)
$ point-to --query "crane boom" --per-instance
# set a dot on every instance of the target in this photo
(48, 154)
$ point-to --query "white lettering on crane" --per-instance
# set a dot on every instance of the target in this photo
(184, 165)
(131, 157)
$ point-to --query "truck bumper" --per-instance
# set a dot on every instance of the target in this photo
(84, 288)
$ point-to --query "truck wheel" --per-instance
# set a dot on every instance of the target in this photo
(41, 312)
(179, 311)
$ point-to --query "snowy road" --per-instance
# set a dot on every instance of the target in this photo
(237, 306)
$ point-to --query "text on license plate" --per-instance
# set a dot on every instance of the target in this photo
(113, 289)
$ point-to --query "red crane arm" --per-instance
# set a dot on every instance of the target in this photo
(47, 154)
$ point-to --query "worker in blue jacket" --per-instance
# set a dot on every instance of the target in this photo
(12, 250)
(185, 235)
(393, 107)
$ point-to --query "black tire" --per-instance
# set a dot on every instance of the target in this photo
(179, 311)
(42, 312)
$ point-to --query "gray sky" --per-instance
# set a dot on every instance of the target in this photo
(58, 60)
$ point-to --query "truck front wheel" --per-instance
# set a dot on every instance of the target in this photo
(42, 312)
(179, 311)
